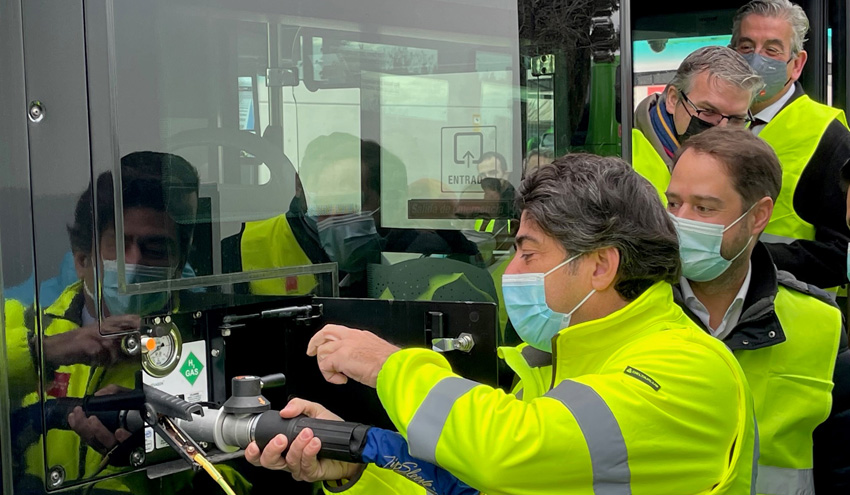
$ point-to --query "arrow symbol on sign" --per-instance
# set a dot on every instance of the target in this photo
(468, 156)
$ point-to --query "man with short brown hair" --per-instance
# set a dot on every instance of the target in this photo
(784, 332)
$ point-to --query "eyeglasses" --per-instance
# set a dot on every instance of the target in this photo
(715, 118)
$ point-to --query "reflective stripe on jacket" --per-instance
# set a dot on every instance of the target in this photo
(643, 402)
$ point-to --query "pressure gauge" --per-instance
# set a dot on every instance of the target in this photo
(160, 355)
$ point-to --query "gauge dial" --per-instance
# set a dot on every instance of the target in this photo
(161, 354)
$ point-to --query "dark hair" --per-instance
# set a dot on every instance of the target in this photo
(750, 162)
(589, 202)
(161, 181)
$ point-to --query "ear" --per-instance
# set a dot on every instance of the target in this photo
(671, 100)
(82, 264)
(606, 262)
(761, 213)
(798, 64)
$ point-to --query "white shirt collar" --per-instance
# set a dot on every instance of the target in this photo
(770, 112)
(733, 313)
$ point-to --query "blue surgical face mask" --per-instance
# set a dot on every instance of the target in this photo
(351, 240)
(772, 71)
(699, 248)
(135, 304)
(525, 301)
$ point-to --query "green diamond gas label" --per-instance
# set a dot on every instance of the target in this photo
(191, 369)
(188, 381)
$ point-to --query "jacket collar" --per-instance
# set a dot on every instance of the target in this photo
(615, 330)
(798, 92)
(69, 306)
(758, 326)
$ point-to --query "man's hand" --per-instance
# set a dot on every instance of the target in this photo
(91, 430)
(90, 345)
(345, 353)
(301, 458)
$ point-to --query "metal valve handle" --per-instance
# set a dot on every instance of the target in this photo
(463, 343)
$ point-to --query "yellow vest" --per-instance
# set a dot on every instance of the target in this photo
(63, 446)
(643, 402)
(271, 244)
(480, 226)
(649, 165)
(791, 383)
(490, 225)
(794, 135)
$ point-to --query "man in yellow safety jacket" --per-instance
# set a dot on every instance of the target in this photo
(619, 392)
(336, 217)
(713, 86)
(784, 332)
(64, 351)
(807, 234)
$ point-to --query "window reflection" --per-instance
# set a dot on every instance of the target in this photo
(317, 140)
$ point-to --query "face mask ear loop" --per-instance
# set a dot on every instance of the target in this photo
(593, 291)
(742, 249)
(559, 266)
(88, 291)
(751, 237)
(742, 216)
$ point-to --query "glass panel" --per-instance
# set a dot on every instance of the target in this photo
(656, 60)
(260, 148)
(660, 42)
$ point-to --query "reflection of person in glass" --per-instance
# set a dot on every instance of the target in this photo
(159, 193)
(341, 201)
(333, 219)
(492, 164)
(535, 159)
(493, 216)
(337, 218)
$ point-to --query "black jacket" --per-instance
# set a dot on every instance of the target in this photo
(820, 201)
(759, 327)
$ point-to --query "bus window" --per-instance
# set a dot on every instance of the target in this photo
(363, 149)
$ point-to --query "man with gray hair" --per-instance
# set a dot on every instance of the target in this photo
(713, 86)
(618, 391)
(807, 233)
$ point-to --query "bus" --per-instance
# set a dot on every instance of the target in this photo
(415, 120)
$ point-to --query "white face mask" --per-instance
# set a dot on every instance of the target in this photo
(699, 248)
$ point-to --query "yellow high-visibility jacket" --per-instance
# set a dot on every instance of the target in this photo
(641, 401)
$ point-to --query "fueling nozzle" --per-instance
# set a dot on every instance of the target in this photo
(247, 417)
